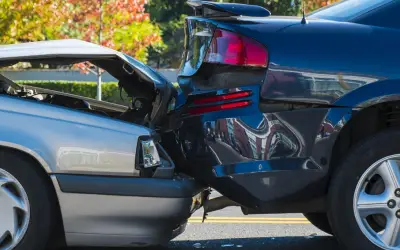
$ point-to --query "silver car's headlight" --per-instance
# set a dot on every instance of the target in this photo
(150, 155)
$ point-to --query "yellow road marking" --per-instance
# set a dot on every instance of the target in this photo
(249, 220)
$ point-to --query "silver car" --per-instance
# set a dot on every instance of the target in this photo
(82, 172)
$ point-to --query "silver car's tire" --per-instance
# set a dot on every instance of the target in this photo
(26, 211)
(14, 211)
(364, 196)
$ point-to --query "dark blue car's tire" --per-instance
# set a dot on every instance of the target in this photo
(362, 205)
(320, 220)
(24, 196)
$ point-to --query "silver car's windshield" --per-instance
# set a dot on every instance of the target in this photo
(348, 9)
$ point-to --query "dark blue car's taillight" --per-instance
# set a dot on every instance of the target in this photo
(220, 107)
(220, 98)
(234, 49)
(207, 104)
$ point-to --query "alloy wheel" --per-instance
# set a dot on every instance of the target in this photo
(14, 211)
(377, 203)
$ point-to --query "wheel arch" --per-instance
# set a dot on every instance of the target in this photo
(358, 114)
(33, 155)
(365, 123)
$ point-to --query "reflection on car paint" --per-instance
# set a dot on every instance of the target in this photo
(243, 142)
(196, 46)
(75, 159)
(310, 86)
(263, 139)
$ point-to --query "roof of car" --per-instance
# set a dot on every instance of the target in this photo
(70, 48)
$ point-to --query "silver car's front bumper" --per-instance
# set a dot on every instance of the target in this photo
(112, 211)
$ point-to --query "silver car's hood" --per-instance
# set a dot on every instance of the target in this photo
(68, 48)
(70, 51)
(119, 65)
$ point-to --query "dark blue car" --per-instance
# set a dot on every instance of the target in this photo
(306, 111)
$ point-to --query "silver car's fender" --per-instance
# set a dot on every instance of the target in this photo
(69, 141)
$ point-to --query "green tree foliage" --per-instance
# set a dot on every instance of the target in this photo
(29, 20)
(281, 7)
(311, 5)
(126, 26)
(122, 25)
(170, 15)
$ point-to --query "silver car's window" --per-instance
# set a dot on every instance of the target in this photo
(348, 9)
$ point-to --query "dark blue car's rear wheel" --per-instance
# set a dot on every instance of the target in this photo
(364, 197)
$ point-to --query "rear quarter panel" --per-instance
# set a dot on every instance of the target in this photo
(322, 61)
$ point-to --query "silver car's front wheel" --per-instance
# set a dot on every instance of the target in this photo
(28, 211)
(377, 203)
(14, 211)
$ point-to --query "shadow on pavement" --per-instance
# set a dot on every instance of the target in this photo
(278, 243)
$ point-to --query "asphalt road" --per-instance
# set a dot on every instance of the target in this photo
(229, 229)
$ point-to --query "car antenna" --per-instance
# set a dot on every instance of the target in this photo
(304, 19)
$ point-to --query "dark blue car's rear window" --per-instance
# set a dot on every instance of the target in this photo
(348, 9)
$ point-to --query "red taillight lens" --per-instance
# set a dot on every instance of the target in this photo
(220, 98)
(233, 105)
(231, 48)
